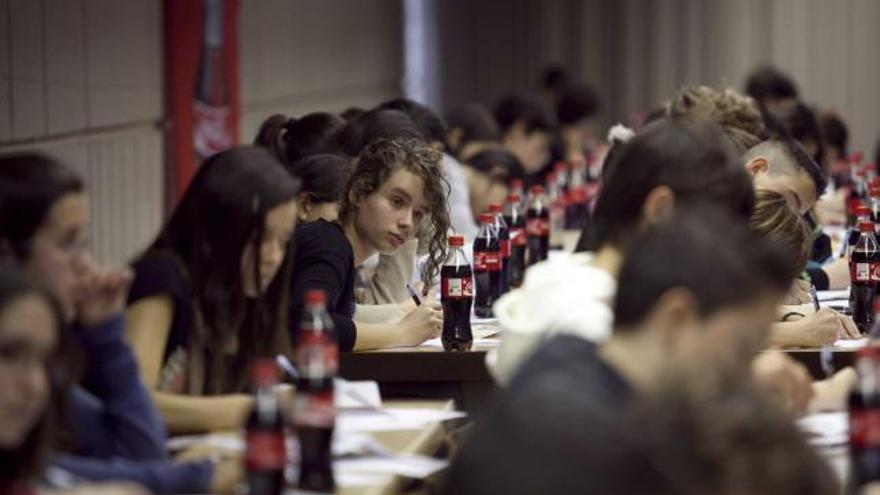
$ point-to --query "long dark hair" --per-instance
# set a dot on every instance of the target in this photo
(323, 176)
(377, 162)
(30, 183)
(221, 213)
(26, 462)
(292, 139)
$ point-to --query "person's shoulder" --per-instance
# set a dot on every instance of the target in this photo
(322, 236)
(156, 272)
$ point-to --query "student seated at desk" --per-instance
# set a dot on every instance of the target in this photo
(114, 429)
(396, 186)
(209, 293)
(707, 309)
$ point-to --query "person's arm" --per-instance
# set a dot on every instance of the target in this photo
(160, 477)
(817, 329)
(115, 417)
(149, 323)
(379, 313)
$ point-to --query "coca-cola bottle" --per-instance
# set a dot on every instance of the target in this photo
(577, 212)
(517, 186)
(265, 446)
(863, 265)
(317, 357)
(211, 131)
(556, 200)
(457, 297)
(538, 225)
(863, 214)
(487, 267)
(874, 194)
(864, 419)
(504, 239)
(516, 223)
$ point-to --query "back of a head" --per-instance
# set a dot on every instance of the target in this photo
(577, 103)
(431, 125)
(292, 139)
(713, 255)
(475, 123)
(802, 125)
(770, 83)
(324, 176)
(379, 123)
(522, 106)
(724, 106)
(775, 219)
(554, 78)
(30, 183)
(692, 158)
(500, 162)
(834, 132)
(786, 155)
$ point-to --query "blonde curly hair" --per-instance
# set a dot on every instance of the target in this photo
(725, 106)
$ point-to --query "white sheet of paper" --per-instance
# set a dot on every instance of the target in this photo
(356, 394)
(396, 419)
(824, 429)
(851, 344)
(437, 342)
(412, 466)
(832, 295)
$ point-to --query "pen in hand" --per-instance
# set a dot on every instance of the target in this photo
(413, 295)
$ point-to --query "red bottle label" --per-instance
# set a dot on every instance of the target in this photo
(864, 428)
(505, 248)
(518, 237)
(487, 261)
(864, 272)
(538, 227)
(457, 288)
(314, 409)
(316, 355)
(265, 450)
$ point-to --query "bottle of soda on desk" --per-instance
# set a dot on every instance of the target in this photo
(314, 415)
(863, 264)
(265, 439)
(516, 224)
(503, 232)
(538, 225)
(457, 297)
(864, 419)
(487, 267)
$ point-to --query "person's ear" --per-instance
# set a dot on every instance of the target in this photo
(454, 138)
(303, 206)
(658, 204)
(675, 312)
(757, 164)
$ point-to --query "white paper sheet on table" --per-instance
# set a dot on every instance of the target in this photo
(344, 444)
(851, 344)
(356, 394)
(826, 429)
(394, 419)
(412, 466)
(833, 295)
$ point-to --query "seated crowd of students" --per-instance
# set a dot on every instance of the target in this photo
(638, 353)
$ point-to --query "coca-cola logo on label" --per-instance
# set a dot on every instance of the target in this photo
(538, 227)
(265, 450)
(211, 133)
(487, 261)
(457, 288)
(864, 429)
(863, 272)
(505, 248)
(314, 409)
(518, 237)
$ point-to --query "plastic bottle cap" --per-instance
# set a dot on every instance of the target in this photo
(513, 198)
(870, 352)
(495, 208)
(264, 372)
(487, 218)
(517, 183)
(559, 167)
(856, 157)
(866, 227)
(456, 240)
(316, 296)
(874, 191)
(537, 189)
(863, 211)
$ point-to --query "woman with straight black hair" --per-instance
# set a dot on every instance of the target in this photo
(292, 139)
(472, 129)
(211, 292)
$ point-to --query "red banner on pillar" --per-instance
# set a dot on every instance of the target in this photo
(201, 66)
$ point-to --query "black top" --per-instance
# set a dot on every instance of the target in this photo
(550, 429)
(323, 259)
(162, 273)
